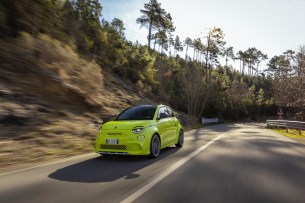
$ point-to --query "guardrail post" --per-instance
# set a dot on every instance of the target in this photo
(300, 131)
(286, 129)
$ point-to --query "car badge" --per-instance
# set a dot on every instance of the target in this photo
(115, 127)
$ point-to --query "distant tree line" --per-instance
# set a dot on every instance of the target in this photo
(288, 72)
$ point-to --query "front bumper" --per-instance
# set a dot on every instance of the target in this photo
(128, 144)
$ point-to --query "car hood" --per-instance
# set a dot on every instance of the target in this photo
(126, 125)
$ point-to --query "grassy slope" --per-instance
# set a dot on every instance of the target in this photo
(293, 134)
(50, 99)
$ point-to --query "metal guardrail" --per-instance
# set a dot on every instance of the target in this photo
(286, 124)
(206, 121)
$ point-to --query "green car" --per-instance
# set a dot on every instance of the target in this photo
(140, 130)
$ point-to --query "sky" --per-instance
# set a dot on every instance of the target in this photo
(272, 26)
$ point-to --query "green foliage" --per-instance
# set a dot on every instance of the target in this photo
(197, 85)
(89, 11)
(156, 19)
(288, 70)
(118, 25)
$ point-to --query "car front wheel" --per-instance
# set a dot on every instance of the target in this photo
(155, 146)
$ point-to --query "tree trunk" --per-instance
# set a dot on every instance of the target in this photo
(194, 53)
(226, 65)
(149, 31)
(155, 42)
(243, 67)
(187, 46)
(206, 60)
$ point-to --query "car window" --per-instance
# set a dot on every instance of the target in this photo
(137, 113)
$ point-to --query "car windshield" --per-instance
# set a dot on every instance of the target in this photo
(137, 113)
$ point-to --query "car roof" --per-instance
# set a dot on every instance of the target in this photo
(162, 105)
(150, 105)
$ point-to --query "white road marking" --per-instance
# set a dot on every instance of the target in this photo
(168, 171)
(46, 164)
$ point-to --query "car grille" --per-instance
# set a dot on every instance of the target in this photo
(114, 147)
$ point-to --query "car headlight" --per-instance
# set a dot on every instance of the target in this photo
(137, 130)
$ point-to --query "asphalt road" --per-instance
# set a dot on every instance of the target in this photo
(224, 163)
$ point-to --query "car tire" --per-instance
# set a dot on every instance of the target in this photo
(180, 139)
(155, 146)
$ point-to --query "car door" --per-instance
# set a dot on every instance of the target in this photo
(163, 125)
(172, 125)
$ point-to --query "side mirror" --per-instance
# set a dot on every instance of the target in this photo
(163, 115)
(113, 116)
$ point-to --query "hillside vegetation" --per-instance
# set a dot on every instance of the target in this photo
(62, 69)
(51, 99)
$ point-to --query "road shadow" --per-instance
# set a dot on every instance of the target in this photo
(108, 168)
(249, 132)
(197, 134)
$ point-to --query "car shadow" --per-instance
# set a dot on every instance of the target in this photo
(108, 168)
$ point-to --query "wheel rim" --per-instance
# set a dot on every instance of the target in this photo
(156, 146)
(181, 138)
